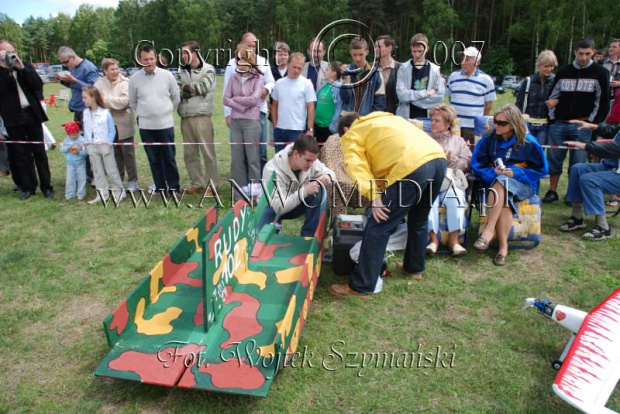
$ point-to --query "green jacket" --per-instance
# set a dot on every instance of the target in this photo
(197, 89)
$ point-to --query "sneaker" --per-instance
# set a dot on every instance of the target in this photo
(550, 197)
(597, 233)
(152, 189)
(132, 186)
(573, 224)
(95, 200)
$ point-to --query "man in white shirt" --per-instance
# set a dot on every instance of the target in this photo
(471, 92)
(293, 101)
(250, 41)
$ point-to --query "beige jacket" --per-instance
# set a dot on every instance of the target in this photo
(289, 184)
(116, 98)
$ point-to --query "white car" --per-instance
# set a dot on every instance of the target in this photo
(511, 81)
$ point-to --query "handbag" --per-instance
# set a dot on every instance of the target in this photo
(454, 178)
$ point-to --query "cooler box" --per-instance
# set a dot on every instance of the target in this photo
(348, 230)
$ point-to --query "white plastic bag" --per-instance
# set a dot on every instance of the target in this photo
(398, 241)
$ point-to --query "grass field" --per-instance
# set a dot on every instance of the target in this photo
(65, 265)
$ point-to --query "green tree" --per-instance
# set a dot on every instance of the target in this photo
(10, 30)
(88, 26)
(59, 34)
(98, 52)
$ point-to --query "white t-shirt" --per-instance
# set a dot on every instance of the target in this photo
(292, 96)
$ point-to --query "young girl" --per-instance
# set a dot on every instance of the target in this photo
(326, 101)
(243, 95)
(99, 135)
(75, 153)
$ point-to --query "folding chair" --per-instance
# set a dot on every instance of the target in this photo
(63, 95)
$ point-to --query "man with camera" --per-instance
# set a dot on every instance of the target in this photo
(20, 108)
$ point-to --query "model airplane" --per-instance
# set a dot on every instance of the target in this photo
(590, 364)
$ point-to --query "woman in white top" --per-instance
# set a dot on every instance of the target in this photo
(99, 133)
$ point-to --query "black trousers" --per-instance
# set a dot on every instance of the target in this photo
(24, 157)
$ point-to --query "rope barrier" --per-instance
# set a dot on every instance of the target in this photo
(140, 144)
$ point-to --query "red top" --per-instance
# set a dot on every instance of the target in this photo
(614, 114)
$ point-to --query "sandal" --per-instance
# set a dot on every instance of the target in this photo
(481, 243)
(614, 202)
(499, 260)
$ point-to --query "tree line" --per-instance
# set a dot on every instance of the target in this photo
(511, 33)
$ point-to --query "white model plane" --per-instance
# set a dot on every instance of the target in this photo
(590, 364)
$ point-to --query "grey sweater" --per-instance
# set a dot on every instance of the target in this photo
(154, 98)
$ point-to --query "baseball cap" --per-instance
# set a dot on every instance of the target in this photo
(473, 52)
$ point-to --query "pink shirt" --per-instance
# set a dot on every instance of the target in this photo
(244, 98)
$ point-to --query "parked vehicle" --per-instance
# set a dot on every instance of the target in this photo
(43, 74)
(53, 70)
(122, 71)
(132, 70)
(511, 81)
(497, 81)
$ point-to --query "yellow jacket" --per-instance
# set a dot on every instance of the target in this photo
(381, 146)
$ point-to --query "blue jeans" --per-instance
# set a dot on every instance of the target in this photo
(558, 133)
(312, 209)
(540, 132)
(161, 157)
(588, 183)
(403, 198)
(76, 178)
(283, 136)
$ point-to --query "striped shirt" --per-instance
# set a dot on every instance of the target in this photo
(468, 95)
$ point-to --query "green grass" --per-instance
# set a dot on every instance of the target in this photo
(64, 266)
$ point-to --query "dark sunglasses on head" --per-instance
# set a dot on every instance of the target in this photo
(501, 123)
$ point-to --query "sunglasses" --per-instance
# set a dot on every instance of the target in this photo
(64, 63)
(501, 123)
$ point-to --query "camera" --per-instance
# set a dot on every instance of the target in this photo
(10, 59)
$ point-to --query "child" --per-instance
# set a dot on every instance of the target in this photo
(327, 100)
(99, 133)
(74, 149)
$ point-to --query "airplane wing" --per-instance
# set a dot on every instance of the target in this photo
(591, 369)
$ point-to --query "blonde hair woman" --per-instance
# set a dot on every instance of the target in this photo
(453, 197)
(510, 162)
(534, 92)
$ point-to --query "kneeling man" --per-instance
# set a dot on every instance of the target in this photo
(302, 180)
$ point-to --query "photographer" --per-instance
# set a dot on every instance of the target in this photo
(20, 108)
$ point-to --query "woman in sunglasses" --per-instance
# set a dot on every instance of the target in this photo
(510, 163)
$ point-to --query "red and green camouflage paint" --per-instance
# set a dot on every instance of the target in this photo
(223, 311)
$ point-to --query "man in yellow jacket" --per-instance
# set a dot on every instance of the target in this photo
(401, 169)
